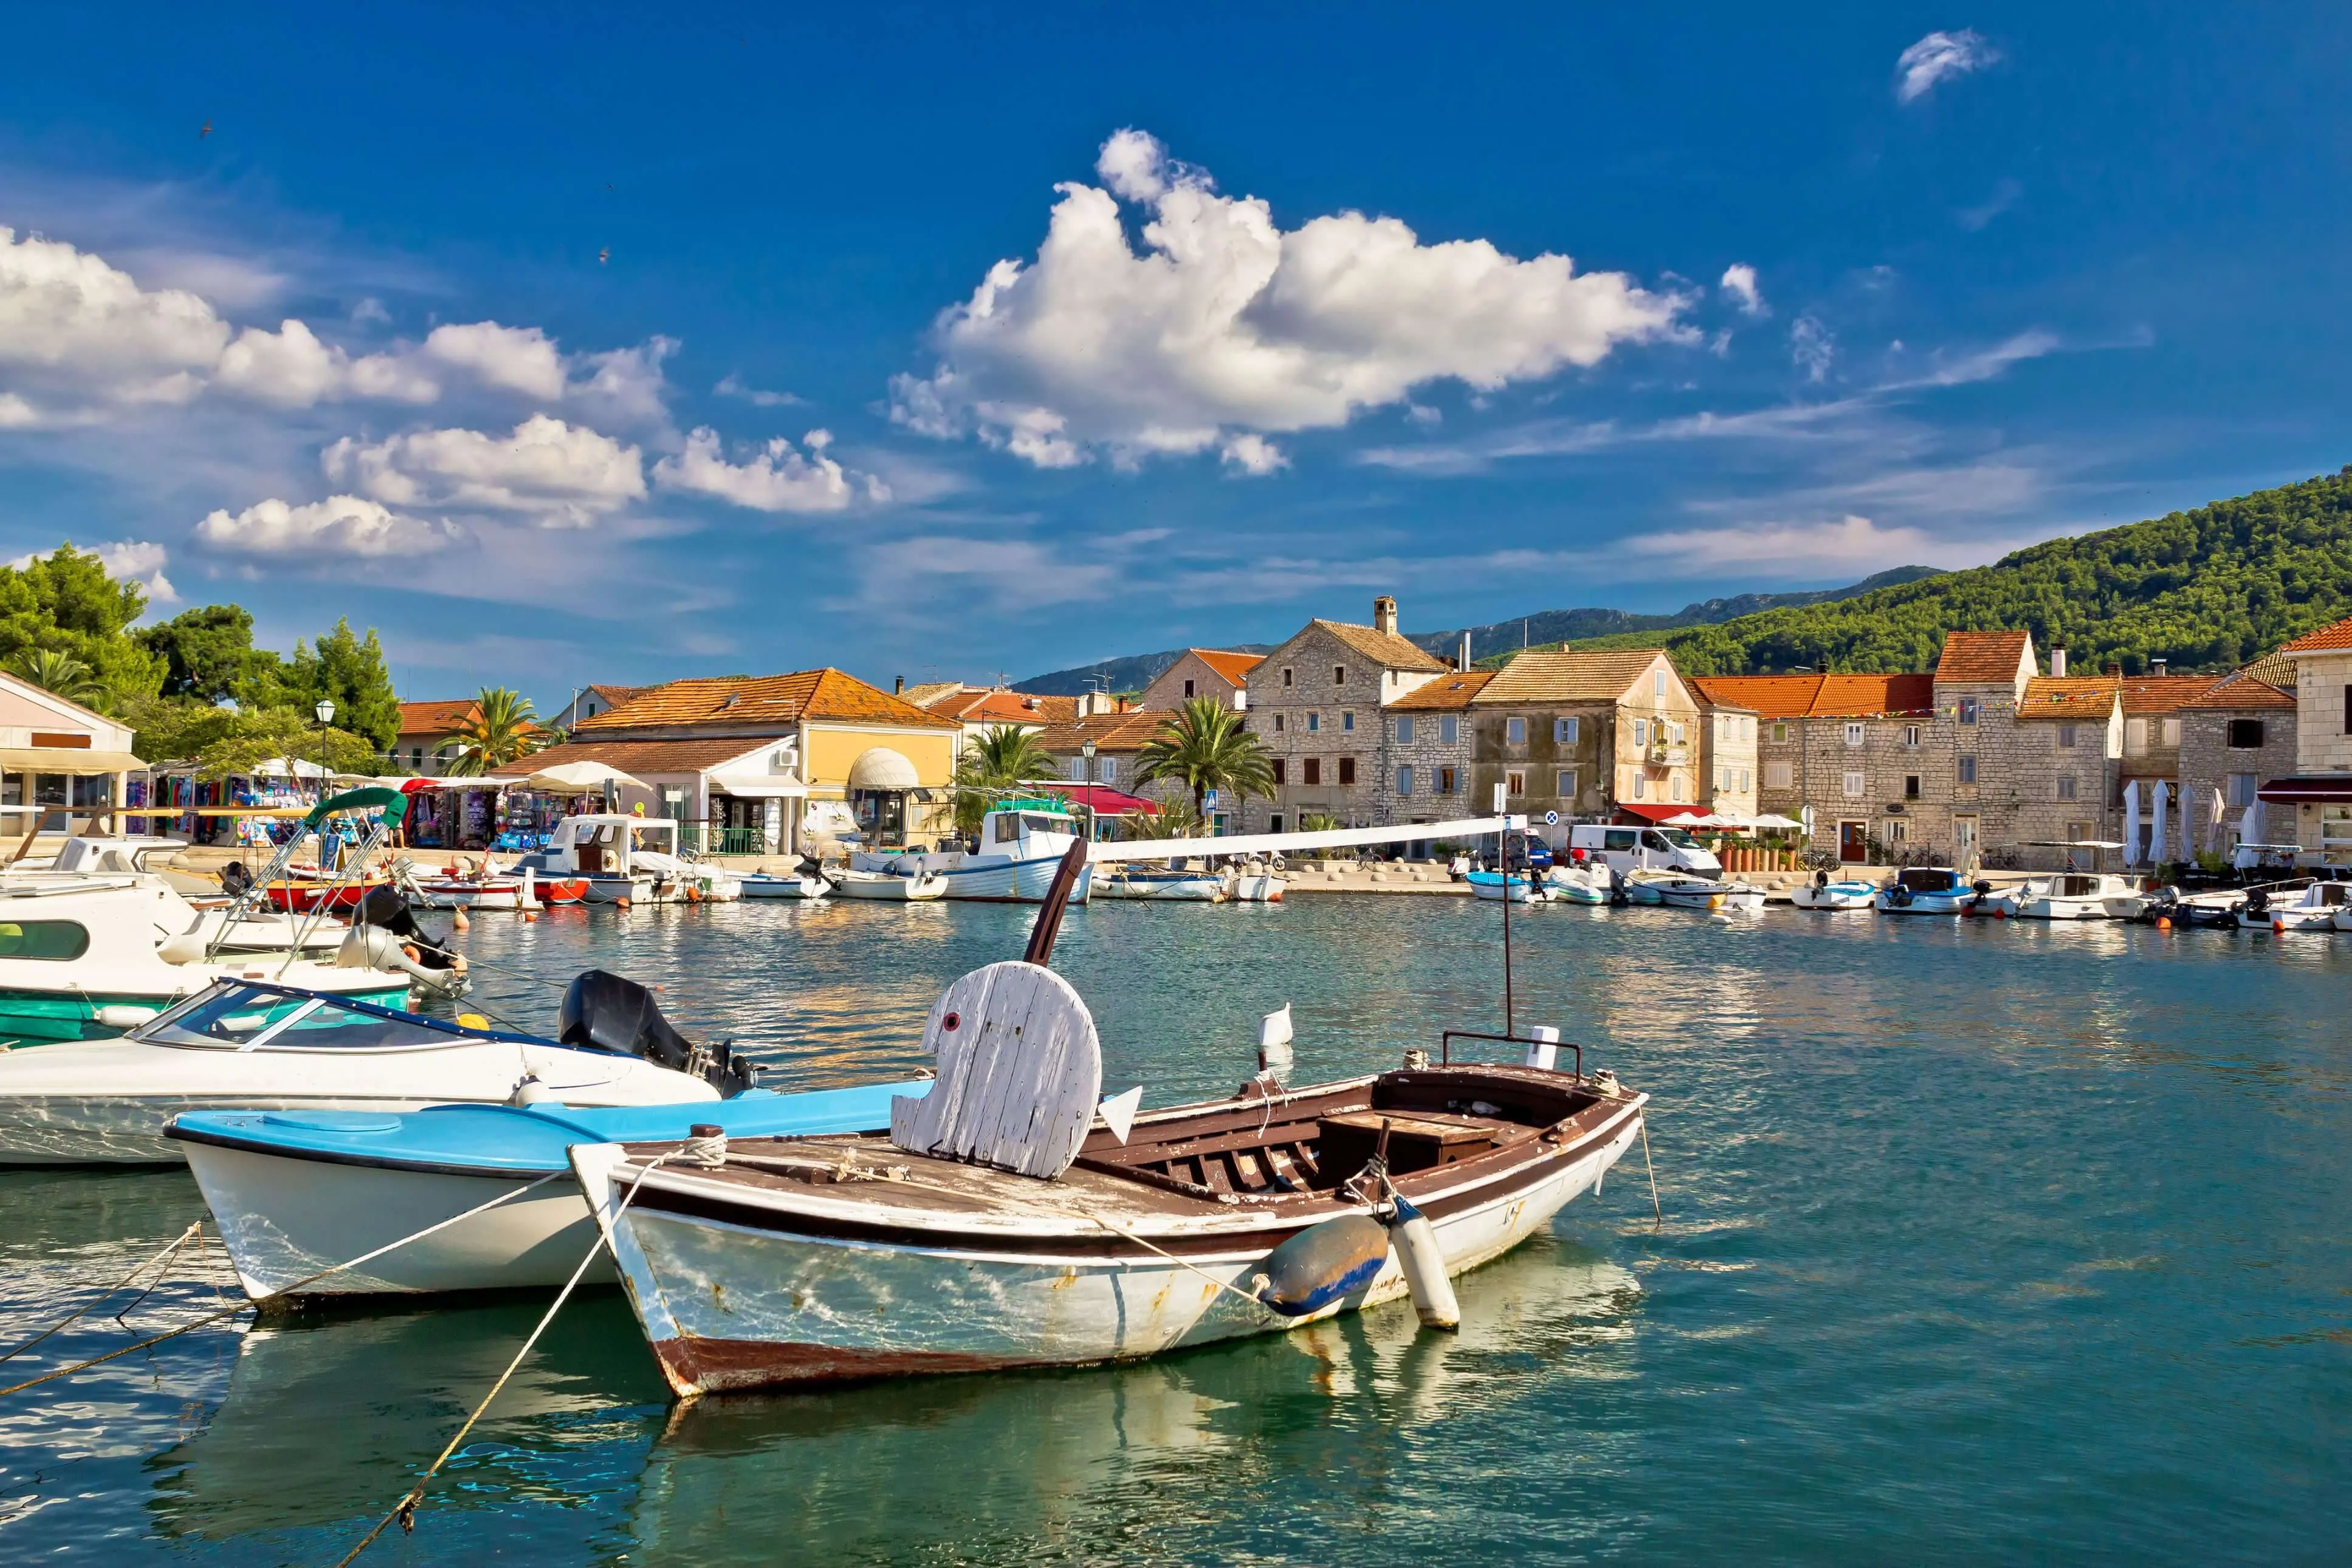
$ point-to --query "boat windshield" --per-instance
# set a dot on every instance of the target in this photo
(250, 1018)
(1927, 880)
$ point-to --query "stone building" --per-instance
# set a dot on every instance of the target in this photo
(1425, 769)
(1726, 755)
(1867, 754)
(1317, 701)
(2236, 736)
(1586, 734)
(2062, 769)
(2154, 727)
(1203, 672)
(2319, 792)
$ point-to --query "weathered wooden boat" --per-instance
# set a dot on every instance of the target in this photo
(886, 888)
(482, 890)
(1003, 1222)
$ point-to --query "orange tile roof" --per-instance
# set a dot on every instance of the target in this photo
(2336, 635)
(1447, 691)
(2074, 697)
(2146, 694)
(1385, 648)
(2247, 690)
(1117, 733)
(1234, 666)
(778, 700)
(1771, 696)
(1984, 656)
(639, 757)
(437, 717)
(1820, 696)
(1566, 674)
(1012, 708)
(928, 693)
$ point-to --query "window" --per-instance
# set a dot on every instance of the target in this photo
(1077, 770)
(1722, 777)
(1449, 732)
(2134, 736)
(44, 939)
(1779, 775)
(1278, 723)
(1855, 783)
(1563, 732)
(1515, 732)
(1564, 783)
(1678, 735)
(2245, 735)
(1274, 823)
(2066, 736)
(1910, 786)
(1404, 729)
(1910, 734)
(416, 756)
(1188, 689)
(2241, 789)
(1106, 768)
(1897, 831)
(1314, 723)
(1515, 783)
(1743, 781)
(1404, 781)
(1641, 732)
(1346, 770)
(1288, 679)
(1853, 734)
(1967, 770)
(2171, 732)
(2066, 786)
(1348, 720)
(1780, 730)
(1310, 771)
(1281, 773)
(1679, 793)
(1338, 675)
(1445, 782)
(1967, 709)
(2335, 835)
(1658, 687)
(1640, 786)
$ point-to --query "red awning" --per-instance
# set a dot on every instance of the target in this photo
(2327, 789)
(1104, 801)
(1642, 811)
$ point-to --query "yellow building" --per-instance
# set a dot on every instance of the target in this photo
(761, 764)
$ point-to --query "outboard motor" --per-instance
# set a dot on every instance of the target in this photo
(603, 1012)
(2258, 900)
(235, 879)
(1821, 879)
(387, 909)
(1981, 890)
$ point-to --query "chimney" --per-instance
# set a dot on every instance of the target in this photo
(2156, 666)
(2057, 661)
(898, 686)
(1466, 652)
(1384, 614)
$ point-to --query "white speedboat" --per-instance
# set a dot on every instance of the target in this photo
(768, 885)
(2067, 896)
(1255, 882)
(2312, 906)
(1925, 890)
(631, 858)
(1021, 842)
(1167, 887)
(86, 857)
(885, 887)
(1584, 883)
(1822, 893)
(257, 1045)
(1519, 887)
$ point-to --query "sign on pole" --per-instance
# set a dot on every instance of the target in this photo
(1210, 798)
(1551, 819)
(1499, 798)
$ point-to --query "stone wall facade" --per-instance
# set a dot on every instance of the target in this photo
(1881, 786)
(1316, 703)
(2212, 767)
(1425, 768)
(1553, 760)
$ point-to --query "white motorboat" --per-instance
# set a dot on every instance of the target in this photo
(2067, 896)
(1822, 893)
(1131, 880)
(769, 885)
(1519, 887)
(1586, 882)
(884, 887)
(1021, 842)
(486, 889)
(257, 930)
(1688, 891)
(2312, 907)
(1925, 890)
(86, 958)
(631, 858)
(258, 1045)
(1255, 882)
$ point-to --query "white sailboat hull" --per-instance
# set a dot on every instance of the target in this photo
(1008, 881)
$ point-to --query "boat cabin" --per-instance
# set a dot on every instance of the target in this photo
(1930, 879)
(86, 855)
(607, 844)
(1028, 830)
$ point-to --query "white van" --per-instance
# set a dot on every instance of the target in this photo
(1625, 849)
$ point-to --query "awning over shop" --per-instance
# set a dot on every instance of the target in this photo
(760, 786)
(2320, 789)
(1103, 800)
(66, 759)
(1642, 811)
(880, 768)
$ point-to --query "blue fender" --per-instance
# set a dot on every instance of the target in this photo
(1323, 1263)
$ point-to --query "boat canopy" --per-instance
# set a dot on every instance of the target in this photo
(1929, 880)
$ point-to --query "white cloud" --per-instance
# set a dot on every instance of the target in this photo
(623, 385)
(1253, 454)
(1739, 283)
(293, 369)
(1004, 574)
(1938, 57)
(515, 359)
(560, 475)
(733, 386)
(75, 331)
(1850, 541)
(1812, 346)
(139, 561)
(1225, 323)
(340, 525)
(778, 478)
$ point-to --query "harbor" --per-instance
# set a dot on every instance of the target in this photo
(1849, 1322)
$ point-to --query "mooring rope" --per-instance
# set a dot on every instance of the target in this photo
(404, 1510)
(1654, 1172)
(275, 1295)
(108, 1294)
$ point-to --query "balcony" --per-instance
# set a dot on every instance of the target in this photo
(1667, 756)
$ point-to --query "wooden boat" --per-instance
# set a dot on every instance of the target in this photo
(1822, 893)
(767, 885)
(483, 889)
(1003, 1222)
(886, 888)
(554, 890)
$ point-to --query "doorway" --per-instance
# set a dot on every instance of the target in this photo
(1853, 842)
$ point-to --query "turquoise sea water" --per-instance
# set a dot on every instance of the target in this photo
(1982, 1242)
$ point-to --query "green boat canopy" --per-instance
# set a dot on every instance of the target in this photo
(395, 803)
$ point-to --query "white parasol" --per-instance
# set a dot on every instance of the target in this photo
(2156, 845)
(2131, 822)
(577, 778)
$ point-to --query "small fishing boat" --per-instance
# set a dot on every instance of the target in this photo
(1690, 890)
(1822, 893)
(1519, 887)
(1586, 882)
(1255, 882)
(1926, 891)
(886, 888)
(1021, 842)
(2312, 907)
(1011, 1219)
(797, 884)
(259, 1046)
(2065, 896)
(456, 889)
(629, 859)
(295, 1194)
(2215, 907)
(1167, 887)
(554, 892)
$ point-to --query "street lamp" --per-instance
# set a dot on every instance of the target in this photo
(1086, 750)
(326, 713)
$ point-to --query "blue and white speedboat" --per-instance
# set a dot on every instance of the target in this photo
(1925, 890)
(1845, 893)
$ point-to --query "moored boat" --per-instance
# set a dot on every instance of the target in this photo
(1585, 882)
(1255, 882)
(1021, 846)
(1822, 893)
(1925, 890)
(1519, 887)
(797, 885)
(884, 887)
(1136, 881)
(2065, 896)
(2312, 907)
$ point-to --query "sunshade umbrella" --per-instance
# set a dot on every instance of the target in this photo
(2250, 830)
(2131, 822)
(2156, 846)
(577, 778)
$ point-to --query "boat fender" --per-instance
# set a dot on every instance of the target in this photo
(1544, 1053)
(125, 1015)
(1323, 1263)
(186, 947)
(458, 921)
(1424, 1264)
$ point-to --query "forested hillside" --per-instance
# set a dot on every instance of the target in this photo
(2207, 589)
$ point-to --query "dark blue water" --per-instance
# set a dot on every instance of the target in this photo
(1984, 1242)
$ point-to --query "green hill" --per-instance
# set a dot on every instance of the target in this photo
(2207, 590)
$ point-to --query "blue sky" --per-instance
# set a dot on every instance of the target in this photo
(578, 343)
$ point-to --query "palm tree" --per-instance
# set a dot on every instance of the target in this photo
(1174, 819)
(504, 726)
(1203, 747)
(59, 674)
(995, 761)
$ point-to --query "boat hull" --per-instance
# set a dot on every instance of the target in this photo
(610, 888)
(759, 886)
(126, 1129)
(887, 889)
(1255, 888)
(734, 1306)
(1945, 904)
(1164, 890)
(1010, 881)
(2286, 918)
(1833, 897)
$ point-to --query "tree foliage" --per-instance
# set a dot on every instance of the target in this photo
(504, 726)
(66, 603)
(59, 674)
(2207, 590)
(208, 653)
(995, 761)
(1202, 747)
(351, 671)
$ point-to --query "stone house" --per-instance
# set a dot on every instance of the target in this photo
(1868, 755)
(2319, 792)
(2154, 727)
(1586, 734)
(1119, 741)
(1317, 701)
(2236, 736)
(2064, 768)
(1425, 768)
(1203, 672)
(1726, 755)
